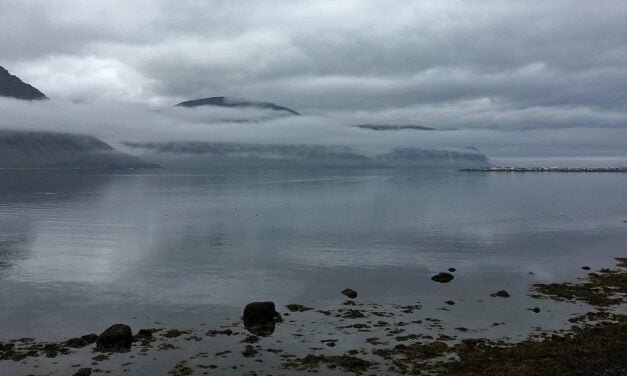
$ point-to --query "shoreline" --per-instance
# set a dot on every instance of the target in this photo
(548, 169)
(381, 340)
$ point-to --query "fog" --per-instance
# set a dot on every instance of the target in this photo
(117, 122)
(512, 79)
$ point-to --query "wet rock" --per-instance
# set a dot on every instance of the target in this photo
(116, 338)
(500, 294)
(452, 270)
(90, 338)
(535, 310)
(298, 308)
(260, 318)
(173, 333)
(442, 277)
(585, 267)
(213, 333)
(251, 339)
(80, 342)
(76, 343)
(349, 293)
(83, 372)
(145, 334)
(450, 302)
(352, 314)
(249, 352)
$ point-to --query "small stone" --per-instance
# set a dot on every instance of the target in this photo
(298, 308)
(83, 372)
(90, 338)
(500, 294)
(349, 293)
(76, 343)
(249, 352)
(452, 270)
(450, 302)
(585, 267)
(535, 310)
(442, 277)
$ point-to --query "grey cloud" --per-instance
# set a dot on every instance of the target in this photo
(487, 65)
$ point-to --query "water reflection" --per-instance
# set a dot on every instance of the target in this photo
(181, 243)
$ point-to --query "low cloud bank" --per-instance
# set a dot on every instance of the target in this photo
(455, 129)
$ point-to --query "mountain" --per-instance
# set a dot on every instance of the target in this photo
(235, 102)
(29, 149)
(12, 86)
(377, 127)
(220, 155)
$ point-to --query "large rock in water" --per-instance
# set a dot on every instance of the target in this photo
(12, 86)
(260, 318)
(116, 338)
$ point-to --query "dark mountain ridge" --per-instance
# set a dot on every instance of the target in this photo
(234, 102)
(34, 149)
(11, 86)
(379, 127)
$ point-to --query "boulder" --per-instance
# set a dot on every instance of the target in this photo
(260, 318)
(442, 277)
(116, 338)
(349, 293)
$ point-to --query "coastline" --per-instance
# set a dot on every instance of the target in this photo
(380, 338)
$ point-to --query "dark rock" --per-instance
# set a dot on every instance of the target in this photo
(450, 302)
(80, 342)
(352, 314)
(349, 293)
(76, 343)
(442, 277)
(260, 318)
(585, 267)
(251, 339)
(535, 310)
(500, 294)
(116, 338)
(90, 338)
(145, 333)
(298, 308)
(249, 352)
(83, 372)
(452, 270)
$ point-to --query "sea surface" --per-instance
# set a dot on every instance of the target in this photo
(82, 250)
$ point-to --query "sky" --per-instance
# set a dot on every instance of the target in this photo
(514, 78)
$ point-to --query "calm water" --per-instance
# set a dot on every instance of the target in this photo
(79, 251)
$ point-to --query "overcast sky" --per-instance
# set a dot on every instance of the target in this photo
(482, 65)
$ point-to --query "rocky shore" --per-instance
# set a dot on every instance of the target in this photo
(354, 338)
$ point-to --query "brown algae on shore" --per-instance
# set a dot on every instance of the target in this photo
(606, 288)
